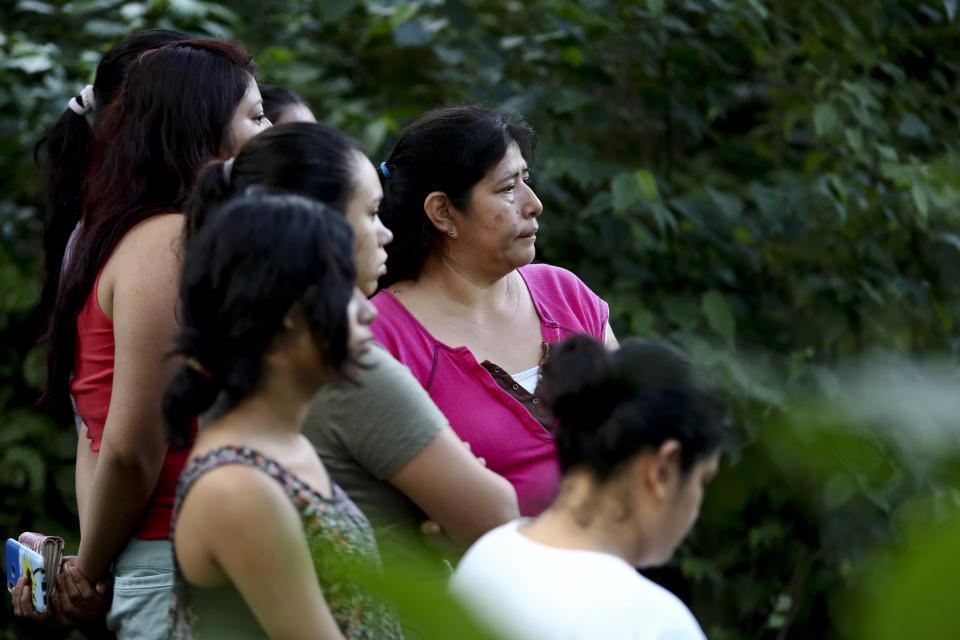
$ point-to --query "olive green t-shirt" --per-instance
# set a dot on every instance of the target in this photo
(366, 433)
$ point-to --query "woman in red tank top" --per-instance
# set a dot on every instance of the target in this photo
(180, 106)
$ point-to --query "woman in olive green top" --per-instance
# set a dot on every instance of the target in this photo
(383, 440)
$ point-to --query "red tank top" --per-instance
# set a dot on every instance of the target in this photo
(91, 386)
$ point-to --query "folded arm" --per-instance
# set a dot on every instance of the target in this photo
(455, 490)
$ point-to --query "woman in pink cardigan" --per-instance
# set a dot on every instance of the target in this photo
(462, 306)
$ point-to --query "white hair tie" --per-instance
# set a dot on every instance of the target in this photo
(227, 169)
(86, 102)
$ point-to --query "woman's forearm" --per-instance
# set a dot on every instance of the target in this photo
(121, 489)
(458, 493)
(138, 291)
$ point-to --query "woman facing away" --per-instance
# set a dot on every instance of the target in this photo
(382, 440)
(266, 544)
(639, 437)
(114, 318)
(462, 306)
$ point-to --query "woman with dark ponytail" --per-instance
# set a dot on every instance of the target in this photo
(639, 436)
(383, 440)
(63, 152)
(180, 105)
(266, 544)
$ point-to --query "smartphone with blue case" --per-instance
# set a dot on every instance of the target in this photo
(21, 561)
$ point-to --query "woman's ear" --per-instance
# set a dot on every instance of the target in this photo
(289, 335)
(439, 210)
(295, 317)
(665, 475)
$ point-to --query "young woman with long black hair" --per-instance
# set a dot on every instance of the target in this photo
(266, 544)
(180, 106)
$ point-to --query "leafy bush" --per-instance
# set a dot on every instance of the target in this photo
(771, 185)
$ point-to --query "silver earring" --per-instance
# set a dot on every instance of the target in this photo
(450, 232)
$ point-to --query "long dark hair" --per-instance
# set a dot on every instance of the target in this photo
(448, 149)
(172, 115)
(62, 154)
(308, 159)
(242, 273)
(612, 406)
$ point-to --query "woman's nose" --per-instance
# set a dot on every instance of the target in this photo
(533, 206)
(384, 235)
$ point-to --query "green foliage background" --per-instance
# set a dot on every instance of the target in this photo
(772, 185)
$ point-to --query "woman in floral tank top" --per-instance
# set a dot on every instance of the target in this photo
(266, 545)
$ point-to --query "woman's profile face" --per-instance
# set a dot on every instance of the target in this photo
(360, 315)
(370, 234)
(500, 225)
(683, 507)
(248, 120)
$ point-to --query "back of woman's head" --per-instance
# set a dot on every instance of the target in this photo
(171, 115)
(448, 149)
(62, 154)
(309, 159)
(277, 101)
(613, 406)
(243, 272)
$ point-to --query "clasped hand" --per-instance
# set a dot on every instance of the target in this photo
(75, 599)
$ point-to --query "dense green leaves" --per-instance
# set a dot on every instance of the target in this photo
(774, 186)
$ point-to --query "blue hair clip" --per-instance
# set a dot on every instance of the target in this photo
(384, 170)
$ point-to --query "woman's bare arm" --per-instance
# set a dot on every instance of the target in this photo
(457, 492)
(144, 273)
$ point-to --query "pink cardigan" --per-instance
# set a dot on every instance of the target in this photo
(498, 428)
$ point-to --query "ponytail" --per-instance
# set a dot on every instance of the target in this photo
(207, 373)
(62, 156)
(189, 394)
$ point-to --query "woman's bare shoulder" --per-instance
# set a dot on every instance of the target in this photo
(157, 235)
(233, 493)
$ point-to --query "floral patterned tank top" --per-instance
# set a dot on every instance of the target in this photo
(341, 543)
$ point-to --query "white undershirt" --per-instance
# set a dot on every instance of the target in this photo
(527, 379)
